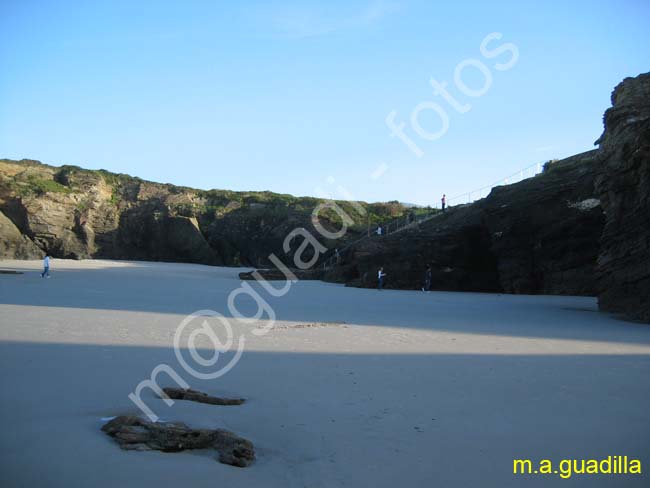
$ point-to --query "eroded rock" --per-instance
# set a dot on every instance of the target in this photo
(200, 397)
(624, 188)
(134, 433)
(13, 244)
(530, 237)
(279, 275)
(71, 212)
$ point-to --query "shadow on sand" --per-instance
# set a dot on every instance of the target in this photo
(326, 419)
(184, 289)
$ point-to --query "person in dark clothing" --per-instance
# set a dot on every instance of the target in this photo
(427, 280)
(380, 278)
(444, 202)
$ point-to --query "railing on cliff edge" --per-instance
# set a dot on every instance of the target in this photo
(522, 174)
(411, 220)
(395, 225)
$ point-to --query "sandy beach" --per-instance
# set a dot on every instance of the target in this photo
(352, 387)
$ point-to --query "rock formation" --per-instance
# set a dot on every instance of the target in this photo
(273, 274)
(582, 227)
(537, 236)
(200, 397)
(14, 244)
(623, 186)
(134, 433)
(75, 213)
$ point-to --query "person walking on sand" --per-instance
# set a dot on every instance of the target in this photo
(444, 202)
(380, 278)
(427, 280)
(46, 267)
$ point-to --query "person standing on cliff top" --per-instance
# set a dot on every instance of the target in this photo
(444, 202)
(380, 278)
(46, 267)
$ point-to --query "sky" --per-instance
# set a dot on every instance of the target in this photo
(293, 97)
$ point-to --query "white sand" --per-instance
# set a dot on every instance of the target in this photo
(390, 388)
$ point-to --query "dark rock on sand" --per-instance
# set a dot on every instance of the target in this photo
(200, 397)
(278, 275)
(134, 433)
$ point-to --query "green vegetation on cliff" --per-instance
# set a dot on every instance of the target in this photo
(76, 212)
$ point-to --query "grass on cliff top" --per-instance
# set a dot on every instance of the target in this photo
(36, 185)
(41, 186)
(277, 205)
(70, 178)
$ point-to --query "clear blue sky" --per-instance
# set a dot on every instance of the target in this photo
(283, 95)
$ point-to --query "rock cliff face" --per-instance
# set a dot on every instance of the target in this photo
(582, 227)
(537, 236)
(623, 186)
(74, 213)
(15, 244)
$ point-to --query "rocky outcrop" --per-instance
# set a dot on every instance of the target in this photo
(545, 231)
(581, 227)
(623, 187)
(75, 213)
(540, 235)
(273, 274)
(200, 397)
(134, 433)
(15, 245)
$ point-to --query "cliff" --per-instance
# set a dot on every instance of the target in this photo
(76, 213)
(540, 235)
(582, 227)
(623, 186)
